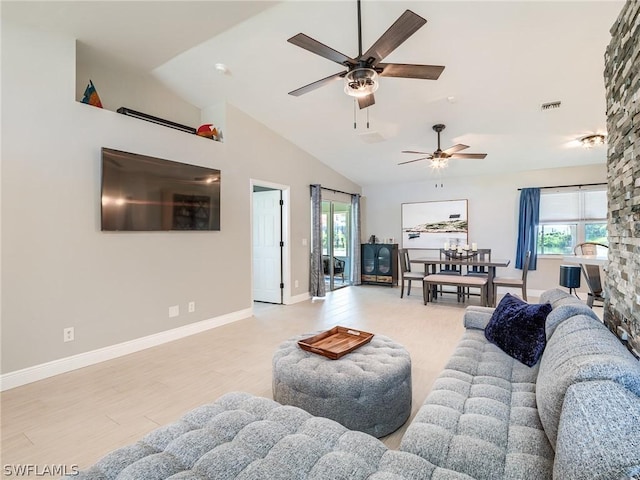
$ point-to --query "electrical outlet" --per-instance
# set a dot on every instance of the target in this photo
(68, 334)
(295, 284)
(192, 307)
(174, 311)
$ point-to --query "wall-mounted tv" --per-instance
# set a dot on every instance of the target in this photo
(141, 193)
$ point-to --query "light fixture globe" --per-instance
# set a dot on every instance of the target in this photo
(361, 82)
(438, 163)
(591, 141)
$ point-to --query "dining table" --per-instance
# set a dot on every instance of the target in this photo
(469, 260)
(600, 260)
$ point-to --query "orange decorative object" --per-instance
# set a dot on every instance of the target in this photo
(207, 131)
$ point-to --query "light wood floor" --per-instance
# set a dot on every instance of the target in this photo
(77, 417)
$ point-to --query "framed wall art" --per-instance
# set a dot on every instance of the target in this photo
(432, 224)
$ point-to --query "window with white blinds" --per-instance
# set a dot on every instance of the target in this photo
(573, 205)
(570, 216)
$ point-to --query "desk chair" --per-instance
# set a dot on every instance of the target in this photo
(591, 272)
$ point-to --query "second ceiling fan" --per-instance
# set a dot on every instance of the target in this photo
(440, 158)
(361, 76)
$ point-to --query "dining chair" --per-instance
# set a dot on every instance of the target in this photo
(448, 269)
(478, 270)
(591, 272)
(481, 270)
(406, 273)
(514, 282)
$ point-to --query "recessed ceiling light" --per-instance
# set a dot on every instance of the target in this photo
(221, 68)
(452, 99)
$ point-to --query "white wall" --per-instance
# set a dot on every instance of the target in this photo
(59, 270)
(492, 207)
(120, 85)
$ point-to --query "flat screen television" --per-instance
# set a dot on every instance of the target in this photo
(141, 193)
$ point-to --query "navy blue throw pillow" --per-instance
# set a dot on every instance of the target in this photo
(517, 327)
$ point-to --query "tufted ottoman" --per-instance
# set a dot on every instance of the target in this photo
(368, 389)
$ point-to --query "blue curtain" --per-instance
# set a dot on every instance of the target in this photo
(528, 227)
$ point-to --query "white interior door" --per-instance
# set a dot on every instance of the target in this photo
(267, 249)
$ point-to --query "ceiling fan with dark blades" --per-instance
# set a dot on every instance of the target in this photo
(439, 158)
(361, 76)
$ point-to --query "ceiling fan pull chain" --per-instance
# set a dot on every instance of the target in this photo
(367, 119)
(355, 124)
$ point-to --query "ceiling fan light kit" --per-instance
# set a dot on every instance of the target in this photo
(440, 158)
(361, 82)
(591, 141)
(438, 163)
(361, 77)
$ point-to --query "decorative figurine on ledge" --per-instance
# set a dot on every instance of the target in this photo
(209, 131)
(91, 96)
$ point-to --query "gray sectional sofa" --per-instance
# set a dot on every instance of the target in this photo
(574, 415)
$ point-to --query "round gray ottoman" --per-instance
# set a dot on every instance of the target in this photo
(368, 389)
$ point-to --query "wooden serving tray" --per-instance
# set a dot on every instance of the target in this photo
(336, 342)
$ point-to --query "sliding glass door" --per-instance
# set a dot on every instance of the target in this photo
(336, 241)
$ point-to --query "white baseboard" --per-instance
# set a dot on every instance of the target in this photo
(297, 298)
(56, 367)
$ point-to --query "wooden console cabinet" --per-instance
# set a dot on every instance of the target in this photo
(379, 263)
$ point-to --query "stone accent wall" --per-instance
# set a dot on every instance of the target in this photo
(622, 82)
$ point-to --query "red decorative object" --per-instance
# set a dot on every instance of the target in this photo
(208, 130)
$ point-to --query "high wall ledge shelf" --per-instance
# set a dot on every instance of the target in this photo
(161, 121)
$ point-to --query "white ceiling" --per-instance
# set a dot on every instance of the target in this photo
(503, 60)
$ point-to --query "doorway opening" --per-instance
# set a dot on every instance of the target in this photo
(270, 253)
(336, 243)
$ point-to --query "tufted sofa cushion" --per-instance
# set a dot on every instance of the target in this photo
(245, 437)
(242, 436)
(367, 390)
(599, 433)
(477, 317)
(564, 306)
(580, 349)
(557, 297)
(480, 418)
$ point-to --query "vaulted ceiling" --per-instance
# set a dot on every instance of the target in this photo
(502, 59)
